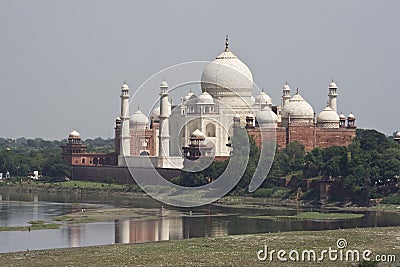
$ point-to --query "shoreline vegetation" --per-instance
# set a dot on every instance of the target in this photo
(132, 190)
(235, 250)
(33, 225)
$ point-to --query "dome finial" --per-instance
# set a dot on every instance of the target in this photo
(297, 91)
(227, 43)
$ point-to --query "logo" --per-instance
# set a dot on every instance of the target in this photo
(340, 253)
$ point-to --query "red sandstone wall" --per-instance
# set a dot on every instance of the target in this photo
(334, 137)
(281, 137)
(309, 136)
(302, 134)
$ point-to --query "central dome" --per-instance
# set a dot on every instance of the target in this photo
(227, 76)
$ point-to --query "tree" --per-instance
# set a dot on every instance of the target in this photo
(55, 167)
(293, 157)
(372, 140)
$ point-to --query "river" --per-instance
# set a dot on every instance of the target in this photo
(16, 209)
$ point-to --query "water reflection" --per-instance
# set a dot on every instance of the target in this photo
(169, 228)
(139, 231)
(158, 225)
(73, 233)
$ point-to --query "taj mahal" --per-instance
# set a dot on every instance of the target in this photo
(201, 125)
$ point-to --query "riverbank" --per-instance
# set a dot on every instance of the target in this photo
(237, 250)
(72, 186)
(128, 191)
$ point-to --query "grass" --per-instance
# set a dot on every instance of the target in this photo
(311, 216)
(239, 250)
(327, 216)
(101, 215)
(34, 225)
(71, 185)
(88, 184)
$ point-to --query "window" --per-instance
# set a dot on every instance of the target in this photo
(210, 130)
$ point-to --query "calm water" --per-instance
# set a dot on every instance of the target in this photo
(168, 224)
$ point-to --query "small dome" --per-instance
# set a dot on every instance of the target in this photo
(189, 96)
(164, 84)
(236, 117)
(266, 115)
(205, 98)
(155, 113)
(125, 87)
(342, 116)
(118, 118)
(351, 116)
(298, 108)
(398, 134)
(139, 118)
(263, 98)
(197, 134)
(74, 134)
(328, 115)
(332, 85)
(286, 87)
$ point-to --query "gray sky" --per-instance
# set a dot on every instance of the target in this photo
(62, 62)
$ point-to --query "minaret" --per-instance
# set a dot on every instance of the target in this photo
(163, 149)
(125, 143)
(286, 94)
(332, 96)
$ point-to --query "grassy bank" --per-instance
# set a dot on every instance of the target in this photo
(102, 215)
(129, 190)
(314, 216)
(237, 250)
(34, 225)
(68, 187)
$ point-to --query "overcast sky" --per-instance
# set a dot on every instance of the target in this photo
(62, 62)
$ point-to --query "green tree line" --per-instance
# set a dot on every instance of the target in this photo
(367, 168)
(22, 156)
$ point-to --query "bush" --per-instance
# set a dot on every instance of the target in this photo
(109, 180)
(263, 192)
(311, 194)
(393, 199)
(271, 192)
